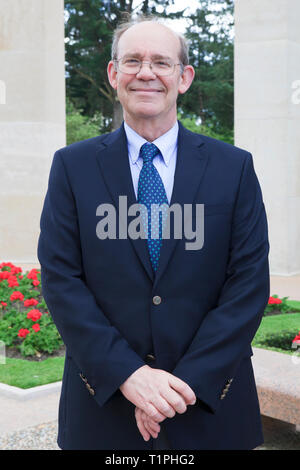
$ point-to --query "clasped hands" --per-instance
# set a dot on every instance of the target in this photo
(157, 395)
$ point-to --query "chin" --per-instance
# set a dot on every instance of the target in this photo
(148, 110)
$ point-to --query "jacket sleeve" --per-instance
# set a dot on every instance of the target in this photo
(102, 355)
(225, 335)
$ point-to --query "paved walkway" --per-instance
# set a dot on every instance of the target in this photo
(277, 434)
(29, 423)
(40, 437)
(17, 414)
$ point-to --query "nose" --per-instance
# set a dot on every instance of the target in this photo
(145, 71)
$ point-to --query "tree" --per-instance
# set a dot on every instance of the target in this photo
(89, 29)
(81, 127)
(211, 53)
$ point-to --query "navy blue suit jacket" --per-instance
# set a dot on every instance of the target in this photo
(100, 295)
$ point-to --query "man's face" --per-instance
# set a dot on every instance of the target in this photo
(146, 95)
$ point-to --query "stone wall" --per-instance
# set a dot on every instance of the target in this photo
(32, 117)
(267, 116)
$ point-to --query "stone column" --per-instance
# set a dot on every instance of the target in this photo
(32, 117)
(267, 116)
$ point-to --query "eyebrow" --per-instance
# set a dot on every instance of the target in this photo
(153, 56)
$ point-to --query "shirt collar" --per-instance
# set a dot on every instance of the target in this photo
(166, 143)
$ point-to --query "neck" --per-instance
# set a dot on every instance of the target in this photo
(148, 128)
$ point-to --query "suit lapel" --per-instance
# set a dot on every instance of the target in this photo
(190, 166)
(112, 157)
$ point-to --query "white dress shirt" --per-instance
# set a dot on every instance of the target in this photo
(164, 163)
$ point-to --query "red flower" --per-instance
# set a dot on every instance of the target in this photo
(4, 304)
(12, 281)
(4, 275)
(30, 302)
(15, 270)
(274, 300)
(10, 274)
(35, 282)
(10, 265)
(17, 296)
(20, 276)
(23, 332)
(34, 315)
(32, 274)
(297, 338)
(36, 327)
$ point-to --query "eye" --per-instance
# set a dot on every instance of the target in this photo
(131, 61)
(162, 63)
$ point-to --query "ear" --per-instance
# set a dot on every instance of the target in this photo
(186, 79)
(112, 74)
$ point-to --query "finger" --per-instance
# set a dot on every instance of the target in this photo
(183, 388)
(141, 426)
(163, 407)
(152, 424)
(149, 420)
(145, 425)
(153, 412)
(176, 401)
(153, 433)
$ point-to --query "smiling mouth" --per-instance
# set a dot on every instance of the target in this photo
(145, 91)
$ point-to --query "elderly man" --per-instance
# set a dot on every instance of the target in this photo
(158, 334)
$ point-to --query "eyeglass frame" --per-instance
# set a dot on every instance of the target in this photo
(150, 64)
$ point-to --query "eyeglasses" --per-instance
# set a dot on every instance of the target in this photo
(162, 67)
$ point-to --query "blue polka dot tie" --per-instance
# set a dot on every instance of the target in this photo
(151, 191)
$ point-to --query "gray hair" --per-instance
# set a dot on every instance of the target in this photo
(127, 23)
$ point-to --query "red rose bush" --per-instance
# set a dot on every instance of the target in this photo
(25, 322)
(277, 305)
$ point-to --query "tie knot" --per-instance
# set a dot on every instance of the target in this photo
(148, 152)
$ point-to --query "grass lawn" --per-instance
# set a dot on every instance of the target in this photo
(25, 374)
(276, 323)
(294, 303)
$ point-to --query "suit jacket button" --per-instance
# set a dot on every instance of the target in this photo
(156, 300)
(150, 357)
(90, 389)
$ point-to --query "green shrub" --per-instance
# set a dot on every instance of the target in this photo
(277, 306)
(191, 124)
(25, 322)
(80, 127)
(282, 339)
